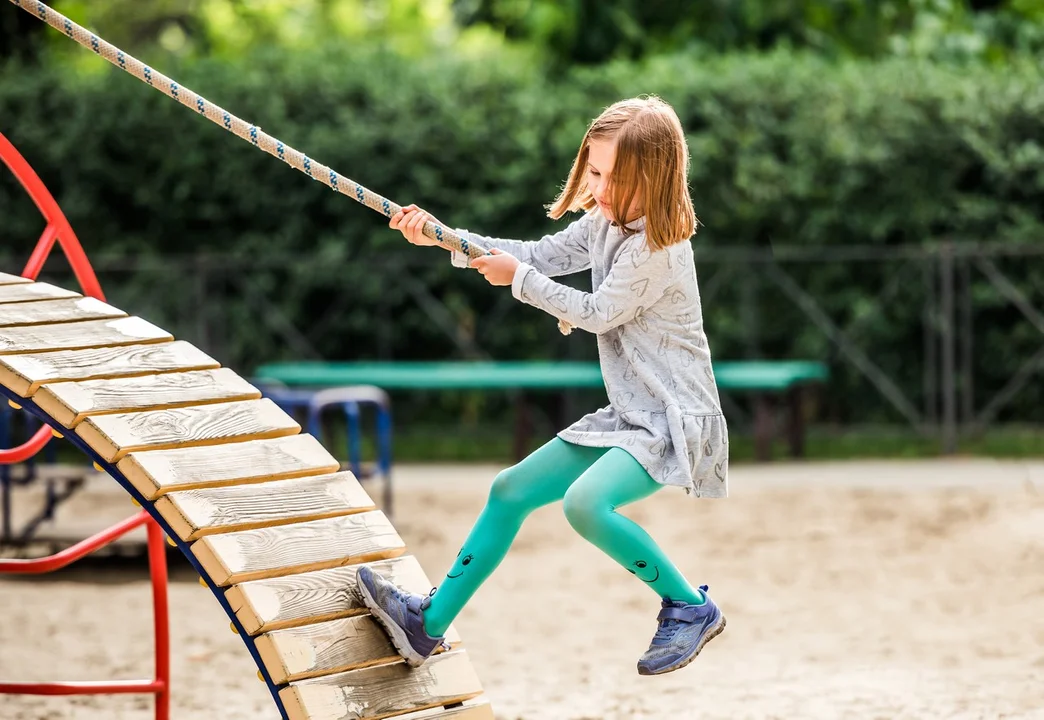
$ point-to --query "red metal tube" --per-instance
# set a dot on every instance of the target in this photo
(77, 551)
(160, 617)
(112, 687)
(27, 449)
(41, 252)
(58, 229)
(33, 185)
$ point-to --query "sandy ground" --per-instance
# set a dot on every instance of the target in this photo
(864, 590)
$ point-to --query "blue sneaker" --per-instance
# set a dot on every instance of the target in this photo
(682, 632)
(401, 615)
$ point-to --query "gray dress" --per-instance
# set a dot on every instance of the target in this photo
(664, 407)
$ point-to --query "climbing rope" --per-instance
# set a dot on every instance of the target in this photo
(251, 133)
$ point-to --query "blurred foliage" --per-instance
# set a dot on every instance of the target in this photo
(788, 148)
(560, 32)
(594, 31)
(225, 29)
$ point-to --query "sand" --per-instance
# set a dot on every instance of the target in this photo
(852, 590)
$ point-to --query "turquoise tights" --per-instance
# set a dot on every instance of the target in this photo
(592, 483)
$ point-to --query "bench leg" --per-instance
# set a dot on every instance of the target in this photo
(796, 429)
(763, 429)
(522, 426)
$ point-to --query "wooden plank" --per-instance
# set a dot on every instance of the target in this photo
(57, 311)
(195, 513)
(272, 552)
(31, 292)
(6, 279)
(475, 709)
(113, 436)
(71, 402)
(158, 472)
(24, 374)
(265, 605)
(383, 691)
(77, 335)
(330, 647)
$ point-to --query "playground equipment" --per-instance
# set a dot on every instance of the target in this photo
(260, 509)
(14, 287)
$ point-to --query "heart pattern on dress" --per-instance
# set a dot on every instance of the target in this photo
(639, 319)
(629, 372)
(558, 301)
(562, 262)
(660, 448)
(665, 344)
(588, 310)
(612, 313)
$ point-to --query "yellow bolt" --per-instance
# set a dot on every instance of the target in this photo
(233, 626)
(98, 467)
(135, 502)
(13, 404)
(202, 581)
(170, 541)
(56, 434)
(260, 676)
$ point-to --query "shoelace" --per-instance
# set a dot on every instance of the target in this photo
(666, 630)
(669, 626)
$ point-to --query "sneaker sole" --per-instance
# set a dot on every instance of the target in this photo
(395, 633)
(714, 631)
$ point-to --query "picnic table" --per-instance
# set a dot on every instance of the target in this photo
(770, 381)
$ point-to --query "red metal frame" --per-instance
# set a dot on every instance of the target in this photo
(58, 229)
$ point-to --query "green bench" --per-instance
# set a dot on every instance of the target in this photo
(766, 380)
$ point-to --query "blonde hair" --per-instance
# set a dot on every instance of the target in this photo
(651, 158)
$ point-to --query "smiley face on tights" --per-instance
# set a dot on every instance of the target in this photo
(643, 570)
(465, 562)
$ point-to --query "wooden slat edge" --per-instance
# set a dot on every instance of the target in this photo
(451, 673)
(394, 546)
(50, 397)
(291, 655)
(8, 279)
(259, 604)
(153, 487)
(477, 708)
(9, 363)
(107, 448)
(175, 508)
(14, 382)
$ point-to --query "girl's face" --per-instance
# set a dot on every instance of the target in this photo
(600, 158)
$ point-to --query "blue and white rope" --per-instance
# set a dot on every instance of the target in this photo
(251, 133)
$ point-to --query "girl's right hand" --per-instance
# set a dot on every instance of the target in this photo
(410, 222)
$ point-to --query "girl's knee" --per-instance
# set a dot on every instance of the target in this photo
(584, 510)
(509, 490)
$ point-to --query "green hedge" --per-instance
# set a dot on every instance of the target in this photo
(787, 149)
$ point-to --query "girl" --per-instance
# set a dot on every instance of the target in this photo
(663, 425)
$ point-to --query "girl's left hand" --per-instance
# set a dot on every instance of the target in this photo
(498, 268)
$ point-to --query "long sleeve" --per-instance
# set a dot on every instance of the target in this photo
(636, 280)
(561, 253)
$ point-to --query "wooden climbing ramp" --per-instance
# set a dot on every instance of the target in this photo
(276, 530)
